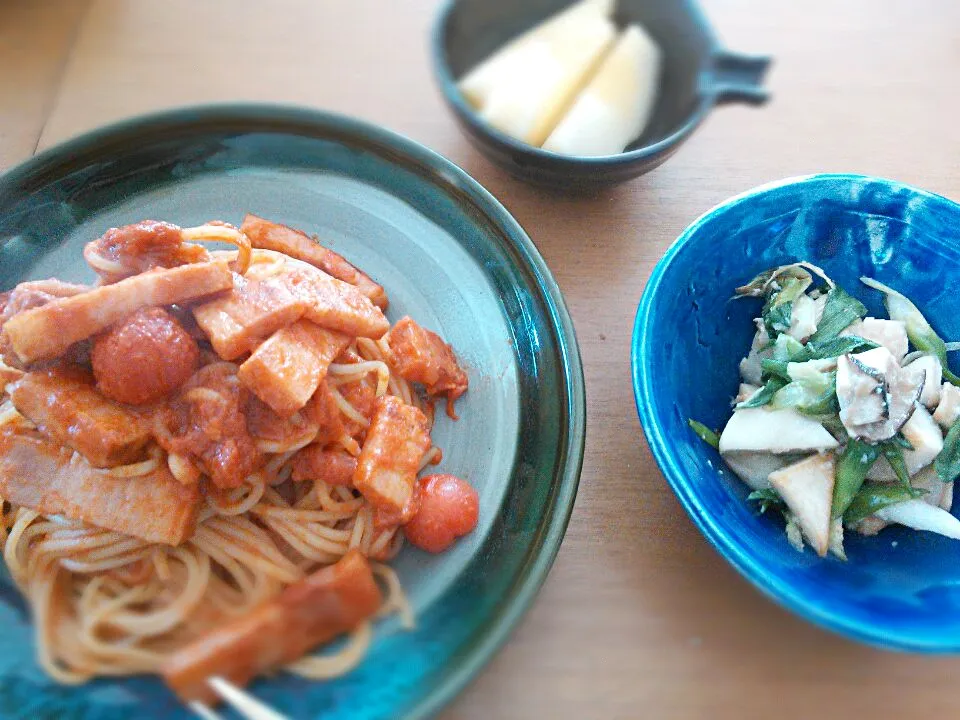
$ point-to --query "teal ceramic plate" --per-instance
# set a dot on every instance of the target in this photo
(449, 255)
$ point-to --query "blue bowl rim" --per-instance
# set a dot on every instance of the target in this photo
(546, 545)
(780, 592)
(478, 127)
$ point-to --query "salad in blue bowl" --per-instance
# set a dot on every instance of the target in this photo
(792, 376)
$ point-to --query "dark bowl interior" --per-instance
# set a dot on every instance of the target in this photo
(695, 74)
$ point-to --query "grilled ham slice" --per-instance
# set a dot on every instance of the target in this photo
(49, 330)
(280, 238)
(45, 476)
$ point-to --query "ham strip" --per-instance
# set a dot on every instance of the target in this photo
(386, 475)
(45, 476)
(48, 331)
(421, 356)
(328, 603)
(280, 238)
(66, 407)
(287, 369)
(237, 322)
(328, 302)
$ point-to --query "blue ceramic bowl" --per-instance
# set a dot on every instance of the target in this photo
(898, 590)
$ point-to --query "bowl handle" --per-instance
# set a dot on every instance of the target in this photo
(738, 78)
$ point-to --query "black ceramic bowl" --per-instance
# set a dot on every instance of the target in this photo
(696, 75)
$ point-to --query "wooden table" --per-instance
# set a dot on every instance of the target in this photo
(640, 617)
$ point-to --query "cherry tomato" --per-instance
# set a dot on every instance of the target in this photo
(448, 509)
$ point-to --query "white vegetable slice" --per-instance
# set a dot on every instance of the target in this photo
(919, 515)
(615, 106)
(948, 409)
(927, 441)
(760, 349)
(755, 468)
(803, 318)
(807, 489)
(496, 70)
(774, 431)
(891, 334)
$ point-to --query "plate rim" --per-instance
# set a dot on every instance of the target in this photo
(452, 180)
(780, 593)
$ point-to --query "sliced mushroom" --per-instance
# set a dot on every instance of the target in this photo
(761, 349)
(930, 365)
(876, 396)
(807, 489)
(927, 479)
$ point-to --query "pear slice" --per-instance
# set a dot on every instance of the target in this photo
(550, 71)
(615, 106)
(807, 489)
(496, 70)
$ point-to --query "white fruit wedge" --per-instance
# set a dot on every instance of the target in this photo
(547, 74)
(616, 105)
(807, 489)
(774, 431)
(497, 69)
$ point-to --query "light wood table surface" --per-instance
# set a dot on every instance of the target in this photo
(639, 617)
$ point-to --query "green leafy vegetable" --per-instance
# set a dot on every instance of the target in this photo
(832, 424)
(893, 452)
(815, 394)
(705, 433)
(876, 496)
(766, 498)
(947, 463)
(900, 440)
(919, 331)
(840, 310)
(764, 395)
(775, 368)
(788, 348)
(778, 309)
(839, 345)
(852, 467)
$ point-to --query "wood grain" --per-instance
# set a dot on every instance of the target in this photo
(640, 617)
(35, 39)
